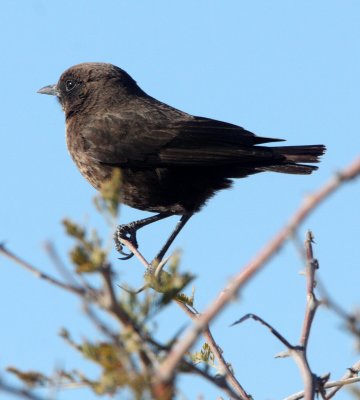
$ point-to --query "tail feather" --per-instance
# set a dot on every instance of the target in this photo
(291, 155)
(305, 154)
(298, 169)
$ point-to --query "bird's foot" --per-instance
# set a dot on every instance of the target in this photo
(125, 232)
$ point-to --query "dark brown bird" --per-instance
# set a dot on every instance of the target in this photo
(171, 162)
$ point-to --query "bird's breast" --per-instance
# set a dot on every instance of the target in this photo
(92, 171)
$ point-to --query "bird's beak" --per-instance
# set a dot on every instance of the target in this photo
(50, 89)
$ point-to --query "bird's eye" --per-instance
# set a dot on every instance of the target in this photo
(69, 85)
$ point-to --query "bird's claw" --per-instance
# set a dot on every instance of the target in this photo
(128, 233)
(127, 256)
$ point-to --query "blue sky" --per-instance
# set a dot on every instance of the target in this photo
(280, 68)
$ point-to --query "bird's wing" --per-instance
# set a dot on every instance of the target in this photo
(144, 142)
(204, 141)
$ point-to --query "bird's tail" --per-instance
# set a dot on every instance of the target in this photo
(292, 155)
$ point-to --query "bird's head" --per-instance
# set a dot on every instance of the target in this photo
(83, 85)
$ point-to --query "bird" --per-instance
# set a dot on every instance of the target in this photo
(171, 162)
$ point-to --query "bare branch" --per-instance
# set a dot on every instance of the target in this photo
(168, 366)
(312, 302)
(300, 354)
(39, 274)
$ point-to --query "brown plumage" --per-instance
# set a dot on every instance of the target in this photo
(171, 162)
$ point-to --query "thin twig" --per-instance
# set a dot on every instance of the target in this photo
(168, 366)
(39, 274)
(22, 393)
(58, 264)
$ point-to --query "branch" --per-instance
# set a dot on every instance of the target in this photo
(39, 274)
(300, 353)
(168, 366)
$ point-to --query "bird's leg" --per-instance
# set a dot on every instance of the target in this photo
(128, 232)
(183, 220)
